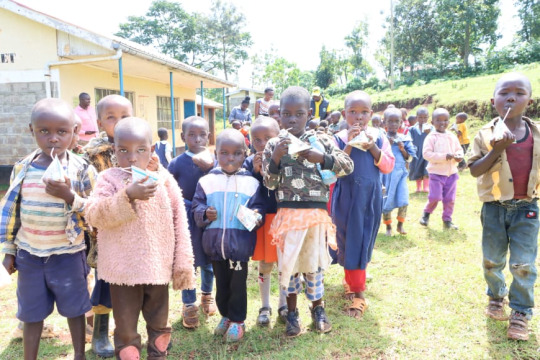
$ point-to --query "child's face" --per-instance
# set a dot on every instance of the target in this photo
(110, 114)
(412, 121)
(231, 154)
(236, 125)
(260, 136)
(441, 123)
(334, 118)
(133, 149)
(273, 112)
(511, 94)
(269, 95)
(75, 140)
(196, 136)
(460, 120)
(422, 118)
(53, 132)
(358, 112)
(393, 124)
(376, 122)
(294, 116)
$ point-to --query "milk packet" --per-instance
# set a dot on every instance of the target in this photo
(54, 171)
(138, 174)
(248, 217)
(360, 141)
(296, 144)
(499, 130)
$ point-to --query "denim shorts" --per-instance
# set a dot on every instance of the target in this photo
(43, 281)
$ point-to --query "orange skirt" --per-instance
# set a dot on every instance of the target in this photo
(264, 249)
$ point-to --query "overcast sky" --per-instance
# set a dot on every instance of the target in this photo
(295, 28)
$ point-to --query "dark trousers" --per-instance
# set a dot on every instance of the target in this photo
(128, 302)
(231, 291)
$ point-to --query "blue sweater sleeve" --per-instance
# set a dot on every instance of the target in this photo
(199, 206)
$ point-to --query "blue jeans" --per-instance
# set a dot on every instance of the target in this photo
(512, 225)
(207, 284)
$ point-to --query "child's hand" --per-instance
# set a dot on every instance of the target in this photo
(391, 141)
(211, 213)
(9, 263)
(60, 189)
(353, 132)
(257, 163)
(427, 129)
(458, 158)
(281, 149)
(312, 155)
(449, 157)
(401, 146)
(153, 165)
(259, 221)
(370, 144)
(139, 191)
(203, 163)
(507, 140)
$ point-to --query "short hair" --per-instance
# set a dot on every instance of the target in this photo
(162, 132)
(295, 93)
(83, 94)
(133, 125)
(261, 121)
(121, 100)
(52, 106)
(411, 117)
(376, 117)
(230, 134)
(246, 100)
(422, 110)
(323, 123)
(462, 115)
(392, 112)
(268, 89)
(355, 95)
(438, 112)
(193, 119)
(512, 77)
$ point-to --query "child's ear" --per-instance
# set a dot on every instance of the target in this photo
(492, 101)
(182, 137)
(343, 113)
(31, 129)
(99, 123)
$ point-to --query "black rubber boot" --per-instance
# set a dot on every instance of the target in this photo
(425, 219)
(101, 346)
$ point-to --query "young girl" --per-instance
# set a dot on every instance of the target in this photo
(263, 129)
(444, 153)
(418, 132)
(397, 191)
(143, 242)
(262, 105)
(302, 226)
(357, 198)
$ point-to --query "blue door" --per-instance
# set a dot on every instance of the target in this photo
(189, 108)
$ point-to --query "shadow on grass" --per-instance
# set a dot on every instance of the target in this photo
(48, 349)
(392, 245)
(501, 347)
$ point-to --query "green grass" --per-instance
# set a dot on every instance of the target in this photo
(426, 302)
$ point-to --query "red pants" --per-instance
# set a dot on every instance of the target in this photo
(356, 279)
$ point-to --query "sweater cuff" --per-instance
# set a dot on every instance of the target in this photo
(273, 167)
(328, 162)
(9, 249)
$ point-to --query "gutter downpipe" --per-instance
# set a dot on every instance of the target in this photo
(117, 56)
(173, 131)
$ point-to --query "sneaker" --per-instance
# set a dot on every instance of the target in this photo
(190, 316)
(282, 314)
(208, 304)
(519, 328)
(449, 225)
(425, 219)
(495, 309)
(264, 316)
(293, 327)
(320, 320)
(235, 332)
(222, 327)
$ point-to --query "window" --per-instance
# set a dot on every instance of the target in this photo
(164, 112)
(101, 93)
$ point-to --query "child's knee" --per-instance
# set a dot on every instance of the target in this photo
(522, 270)
(295, 285)
(265, 268)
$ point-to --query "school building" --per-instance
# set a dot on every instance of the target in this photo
(235, 97)
(42, 56)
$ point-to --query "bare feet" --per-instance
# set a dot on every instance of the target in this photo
(389, 230)
(400, 229)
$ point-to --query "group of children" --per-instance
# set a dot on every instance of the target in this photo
(149, 226)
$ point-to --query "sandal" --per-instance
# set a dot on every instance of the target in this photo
(349, 295)
(190, 316)
(357, 308)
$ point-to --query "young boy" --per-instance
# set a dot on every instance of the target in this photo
(418, 167)
(187, 169)
(100, 153)
(508, 185)
(143, 242)
(335, 116)
(53, 252)
(162, 148)
(443, 153)
(273, 112)
(463, 136)
(226, 241)
(302, 226)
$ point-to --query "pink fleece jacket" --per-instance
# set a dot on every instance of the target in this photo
(144, 242)
(436, 146)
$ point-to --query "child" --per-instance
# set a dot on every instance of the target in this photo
(143, 242)
(302, 225)
(237, 125)
(100, 153)
(404, 129)
(397, 191)
(508, 185)
(273, 112)
(52, 252)
(412, 121)
(263, 129)
(226, 241)
(335, 116)
(377, 123)
(443, 153)
(357, 199)
(418, 132)
(187, 169)
(463, 136)
(162, 148)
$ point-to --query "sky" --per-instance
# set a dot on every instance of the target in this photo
(297, 29)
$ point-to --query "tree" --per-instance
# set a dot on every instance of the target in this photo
(281, 73)
(326, 71)
(465, 25)
(356, 41)
(529, 13)
(225, 27)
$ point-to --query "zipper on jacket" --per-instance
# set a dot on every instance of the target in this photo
(224, 215)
